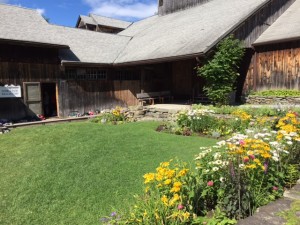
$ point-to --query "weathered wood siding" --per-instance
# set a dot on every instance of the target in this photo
(19, 64)
(169, 6)
(186, 83)
(275, 66)
(256, 24)
(83, 96)
(17, 73)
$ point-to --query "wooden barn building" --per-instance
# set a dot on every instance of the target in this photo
(276, 63)
(101, 24)
(59, 70)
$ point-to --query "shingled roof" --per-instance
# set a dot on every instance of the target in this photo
(81, 46)
(89, 46)
(285, 28)
(189, 32)
(110, 22)
(186, 33)
(19, 24)
(86, 20)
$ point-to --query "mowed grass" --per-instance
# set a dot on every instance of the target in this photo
(74, 173)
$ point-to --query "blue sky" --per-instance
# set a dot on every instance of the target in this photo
(66, 12)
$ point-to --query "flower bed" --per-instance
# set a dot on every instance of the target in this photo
(206, 122)
(226, 182)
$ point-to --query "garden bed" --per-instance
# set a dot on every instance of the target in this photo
(256, 162)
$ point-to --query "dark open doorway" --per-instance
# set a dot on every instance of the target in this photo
(48, 91)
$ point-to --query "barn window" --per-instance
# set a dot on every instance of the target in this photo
(95, 74)
(85, 74)
(161, 2)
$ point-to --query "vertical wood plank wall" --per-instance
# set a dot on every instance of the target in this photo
(185, 79)
(256, 24)
(275, 66)
(169, 6)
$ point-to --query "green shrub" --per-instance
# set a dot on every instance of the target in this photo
(115, 116)
(221, 71)
(278, 93)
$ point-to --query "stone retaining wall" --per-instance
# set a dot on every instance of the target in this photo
(259, 100)
(145, 113)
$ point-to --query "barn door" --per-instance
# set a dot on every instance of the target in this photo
(32, 96)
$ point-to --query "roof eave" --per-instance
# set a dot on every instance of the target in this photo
(34, 44)
(78, 21)
(276, 41)
(160, 60)
(88, 64)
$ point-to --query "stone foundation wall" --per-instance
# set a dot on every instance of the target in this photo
(144, 113)
(259, 100)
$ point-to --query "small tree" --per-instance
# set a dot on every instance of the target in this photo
(221, 71)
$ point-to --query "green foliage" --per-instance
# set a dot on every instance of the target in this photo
(253, 111)
(292, 174)
(278, 93)
(221, 71)
(219, 218)
(115, 116)
(206, 123)
(291, 216)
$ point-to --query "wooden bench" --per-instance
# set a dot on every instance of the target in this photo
(151, 96)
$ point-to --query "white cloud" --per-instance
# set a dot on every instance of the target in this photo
(122, 9)
(41, 11)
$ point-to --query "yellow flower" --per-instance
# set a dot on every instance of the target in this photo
(170, 174)
(159, 177)
(257, 161)
(165, 200)
(149, 177)
(251, 166)
(168, 181)
(165, 164)
(176, 187)
(266, 155)
(175, 198)
(186, 215)
(182, 172)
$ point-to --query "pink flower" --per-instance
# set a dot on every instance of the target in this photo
(252, 157)
(246, 159)
(210, 183)
(180, 207)
(275, 188)
(242, 142)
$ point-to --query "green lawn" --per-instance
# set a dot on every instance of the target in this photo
(74, 173)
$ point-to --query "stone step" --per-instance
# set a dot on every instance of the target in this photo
(267, 215)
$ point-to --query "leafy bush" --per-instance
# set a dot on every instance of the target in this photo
(115, 116)
(221, 71)
(278, 93)
(205, 122)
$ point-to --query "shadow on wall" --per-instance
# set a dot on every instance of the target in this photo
(14, 110)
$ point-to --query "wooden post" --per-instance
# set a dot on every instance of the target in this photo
(255, 70)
